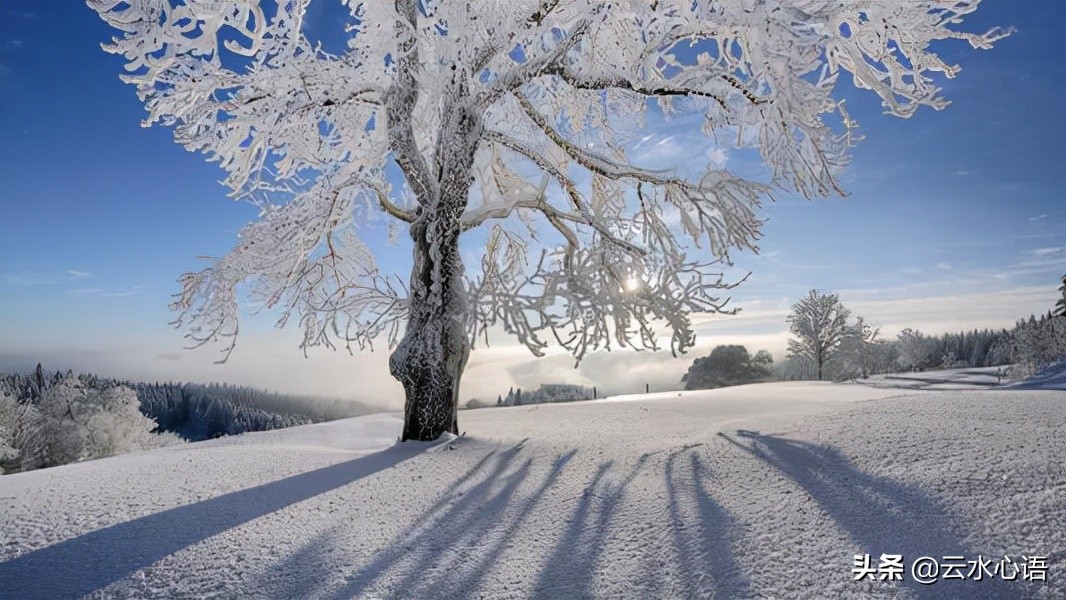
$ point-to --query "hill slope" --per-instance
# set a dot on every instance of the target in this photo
(763, 490)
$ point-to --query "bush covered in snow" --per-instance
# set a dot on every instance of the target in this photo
(52, 419)
(71, 421)
(726, 366)
(1037, 343)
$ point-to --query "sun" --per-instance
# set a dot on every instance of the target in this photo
(633, 284)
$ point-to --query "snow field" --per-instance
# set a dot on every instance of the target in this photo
(757, 491)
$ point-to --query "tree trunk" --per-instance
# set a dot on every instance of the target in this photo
(430, 359)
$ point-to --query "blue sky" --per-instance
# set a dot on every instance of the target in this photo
(955, 219)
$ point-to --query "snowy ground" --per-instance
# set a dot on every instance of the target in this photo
(942, 379)
(970, 378)
(756, 491)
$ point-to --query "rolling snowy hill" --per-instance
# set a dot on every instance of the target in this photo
(766, 490)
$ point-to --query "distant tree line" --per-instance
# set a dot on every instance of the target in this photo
(911, 350)
(546, 393)
(201, 412)
(47, 419)
(827, 344)
(1038, 342)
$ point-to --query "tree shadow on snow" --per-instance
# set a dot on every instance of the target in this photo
(94, 560)
(703, 541)
(570, 571)
(452, 546)
(881, 515)
(303, 574)
(701, 534)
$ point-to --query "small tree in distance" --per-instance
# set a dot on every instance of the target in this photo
(916, 350)
(859, 348)
(727, 366)
(819, 323)
(515, 117)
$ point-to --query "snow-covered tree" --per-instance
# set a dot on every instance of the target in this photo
(9, 423)
(1037, 343)
(858, 350)
(916, 351)
(764, 361)
(1060, 306)
(515, 117)
(81, 423)
(819, 323)
(792, 369)
(727, 366)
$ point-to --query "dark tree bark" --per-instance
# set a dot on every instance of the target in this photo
(431, 357)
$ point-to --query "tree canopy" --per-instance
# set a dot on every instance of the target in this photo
(308, 137)
(819, 324)
(518, 117)
(726, 366)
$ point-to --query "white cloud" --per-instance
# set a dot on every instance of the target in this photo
(34, 278)
(759, 326)
(948, 279)
(1038, 259)
(101, 293)
(1046, 251)
(269, 360)
(949, 313)
(642, 141)
(718, 157)
(675, 144)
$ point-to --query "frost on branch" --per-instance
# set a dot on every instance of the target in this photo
(516, 115)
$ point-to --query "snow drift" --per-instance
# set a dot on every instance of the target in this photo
(763, 490)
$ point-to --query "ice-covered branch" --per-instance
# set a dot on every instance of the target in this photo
(401, 102)
(535, 22)
(651, 89)
(720, 206)
(534, 67)
(338, 292)
(610, 299)
(390, 208)
(584, 214)
(513, 115)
